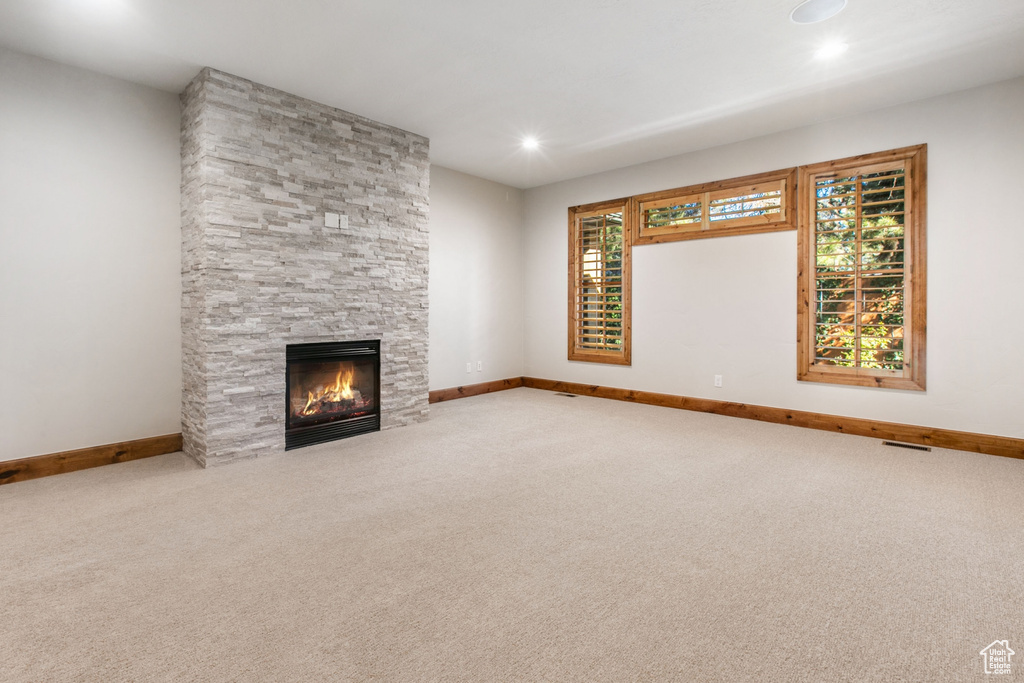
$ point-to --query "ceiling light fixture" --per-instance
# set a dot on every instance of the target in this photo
(531, 143)
(813, 11)
(830, 50)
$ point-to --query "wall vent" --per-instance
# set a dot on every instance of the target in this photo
(906, 445)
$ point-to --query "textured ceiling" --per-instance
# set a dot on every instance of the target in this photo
(602, 83)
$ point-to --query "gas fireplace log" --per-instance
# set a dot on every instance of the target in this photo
(324, 405)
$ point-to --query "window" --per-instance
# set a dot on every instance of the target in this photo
(599, 258)
(861, 293)
(740, 206)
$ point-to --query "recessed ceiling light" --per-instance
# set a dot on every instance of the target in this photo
(531, 143)
(813, 11)
(830, 50)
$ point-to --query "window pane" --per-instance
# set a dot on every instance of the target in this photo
(599, 285)
(859, 262)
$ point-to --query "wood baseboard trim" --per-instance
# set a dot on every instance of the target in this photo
(70, 461)
(84, 458)
(475, 389)
(989, 444)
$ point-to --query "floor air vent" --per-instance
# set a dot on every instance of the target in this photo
(906, 445)
(559, 393)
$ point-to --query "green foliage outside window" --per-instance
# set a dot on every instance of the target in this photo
(860, 270)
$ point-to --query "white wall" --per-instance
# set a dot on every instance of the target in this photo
(89, 259)
(728, 305)
(476, 279)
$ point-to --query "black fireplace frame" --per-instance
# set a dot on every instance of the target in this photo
(297, 437)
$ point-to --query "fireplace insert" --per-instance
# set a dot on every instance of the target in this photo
(333, 391)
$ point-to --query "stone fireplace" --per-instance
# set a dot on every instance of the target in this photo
(301, 224)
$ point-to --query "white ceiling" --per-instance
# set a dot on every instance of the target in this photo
(602, 83)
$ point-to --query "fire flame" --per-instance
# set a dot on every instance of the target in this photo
(342, 390)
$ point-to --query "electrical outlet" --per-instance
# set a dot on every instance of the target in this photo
(718, 381)
(469, 367)
(479, 366)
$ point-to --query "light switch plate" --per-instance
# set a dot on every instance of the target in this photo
(332, 220)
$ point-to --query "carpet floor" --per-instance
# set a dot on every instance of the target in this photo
(522, 536)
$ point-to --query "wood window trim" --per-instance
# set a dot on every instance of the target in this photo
(912, 377)
(575, 353)
(784, 220)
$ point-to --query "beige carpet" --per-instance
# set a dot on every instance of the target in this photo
(522, 536)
